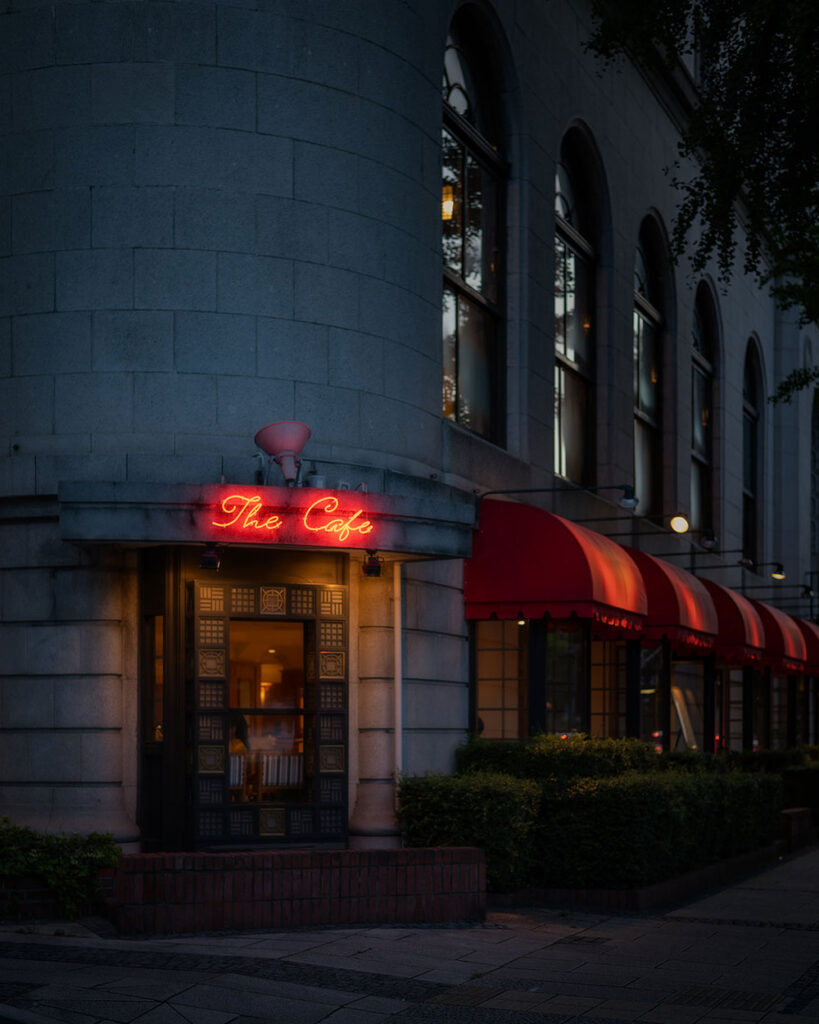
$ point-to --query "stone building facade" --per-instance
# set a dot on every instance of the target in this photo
(216, 216)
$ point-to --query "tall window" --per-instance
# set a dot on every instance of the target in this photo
(751, 475)
(574, 268)
(814, 487)
(647, 323)
(703, 354)
(471, 202)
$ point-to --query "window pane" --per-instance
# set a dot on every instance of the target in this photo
(566, 702)
(700, 514)
(645, 467)
(701, 414)
(481, 213)
(749, 454)
(474, 368)
(686, 705)
(267, 723)
(450, 341)
(651, 675)
(452, 203)
(647, 375)
(572, 411)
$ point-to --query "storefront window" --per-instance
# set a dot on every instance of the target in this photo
(687, 686)
(566, 688)
(651, 704)
(266, 718)
(608, 689)
(779, 713)
(500, 660)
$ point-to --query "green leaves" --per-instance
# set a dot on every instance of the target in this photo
(751, 133)
(68, 864)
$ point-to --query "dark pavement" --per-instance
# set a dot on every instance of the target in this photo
(748, 952)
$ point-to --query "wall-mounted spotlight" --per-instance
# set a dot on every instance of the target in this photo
(371, 565)
(211, 558)
(778, 571)
(679, 523)
(282, 443)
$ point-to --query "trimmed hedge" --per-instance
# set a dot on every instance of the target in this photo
(775, 761)
(636, 829)
(68, 864)
(800, 787)
(554, 761)
(494, 812)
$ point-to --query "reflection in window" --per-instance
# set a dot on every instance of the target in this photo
(687, 691)
(651, 690)
(566, 688)
(269, 732)
(646, 325)
(573, 338)
(751, 474)
(471, 190)
(702, 416)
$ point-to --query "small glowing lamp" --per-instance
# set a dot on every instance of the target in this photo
(778, 572)
(679, 523)
(447, 202)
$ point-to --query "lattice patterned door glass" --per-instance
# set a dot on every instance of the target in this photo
(265, 659)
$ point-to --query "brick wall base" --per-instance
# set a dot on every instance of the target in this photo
(163, 893)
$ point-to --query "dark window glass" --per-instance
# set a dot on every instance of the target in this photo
(703, 346)
(751, 474)
(646, 325)
(471, 187)
(573, 341)
(566, 685)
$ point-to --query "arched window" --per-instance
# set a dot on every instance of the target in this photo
(646, 335)
(703, 362)
(751, 454)
(574, 345)
(471, 205)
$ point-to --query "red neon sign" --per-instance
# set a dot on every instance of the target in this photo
(248, 516)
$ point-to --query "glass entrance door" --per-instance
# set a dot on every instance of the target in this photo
(267, 714)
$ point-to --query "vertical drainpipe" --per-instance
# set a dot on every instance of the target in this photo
(398, 676)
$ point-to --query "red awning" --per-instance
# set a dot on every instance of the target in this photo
(741, 635)
(679, 606)
(810, 631)
(530, 562)
(785, 649)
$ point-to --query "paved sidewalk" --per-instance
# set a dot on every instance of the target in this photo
(749, 952)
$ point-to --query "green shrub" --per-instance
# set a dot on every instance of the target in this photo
(697, 761)
(811, 752)
(494, 812)
(636, 829)
(773, 760)
(554, 761)
(800, 788)
(69, 865)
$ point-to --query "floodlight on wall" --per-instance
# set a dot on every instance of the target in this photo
(282, 443)
(372, 564)
(210, 558)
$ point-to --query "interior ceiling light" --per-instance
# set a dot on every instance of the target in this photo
(521, 620)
